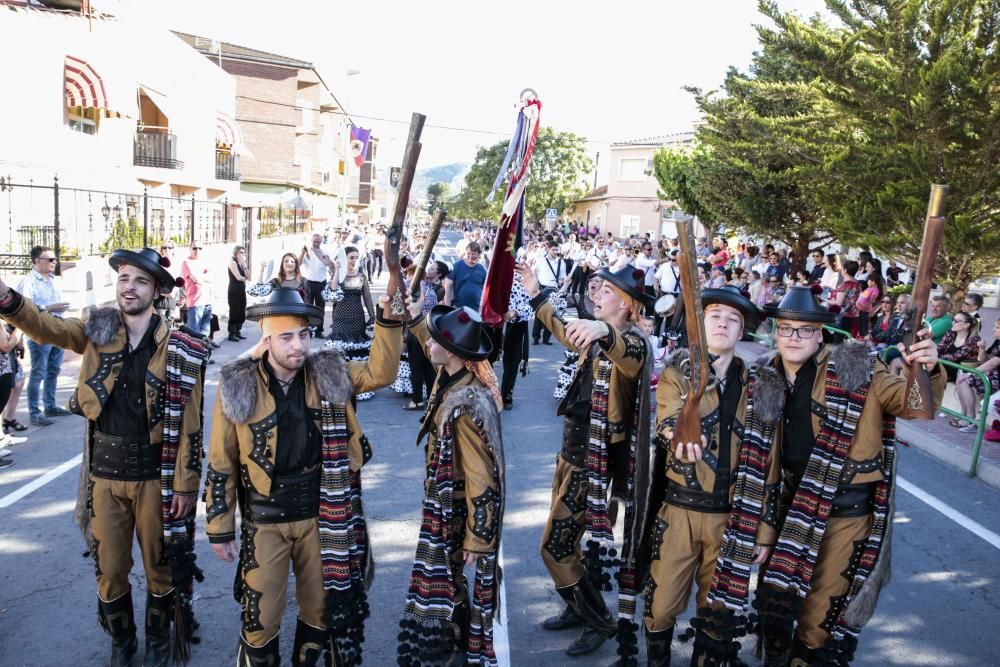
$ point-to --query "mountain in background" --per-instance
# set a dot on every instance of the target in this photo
(452, 174)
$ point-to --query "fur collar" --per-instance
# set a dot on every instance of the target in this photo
(484, 411)
(854, 369)
(325, 367)
(484, 408)
(854, 366)
(102, 325)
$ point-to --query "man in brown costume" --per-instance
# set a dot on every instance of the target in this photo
(444, 621)
(287, 448)
(142, 452)
(697, 484)
(607, 418)
(831, 410)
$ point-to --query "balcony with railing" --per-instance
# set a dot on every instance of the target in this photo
(154, 148)
(227, 166)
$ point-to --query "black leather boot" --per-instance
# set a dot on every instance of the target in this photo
(568, 618)
(801, 655)
(159, 617)
(312, 646)
(117, 619)
(460, 629)
(268, 655)
(600, 626)
(658, 647)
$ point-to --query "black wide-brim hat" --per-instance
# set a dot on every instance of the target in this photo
(731, 296)
(285, 301)
(630, 280)
(460, 331)
(801, 304)
(149, 261)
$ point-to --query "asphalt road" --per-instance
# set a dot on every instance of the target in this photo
(937, 611)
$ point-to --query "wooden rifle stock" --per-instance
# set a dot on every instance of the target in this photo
(688, 427)
(394, 235)
(432, 236)
(919, 404)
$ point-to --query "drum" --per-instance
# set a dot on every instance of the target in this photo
(665, 304)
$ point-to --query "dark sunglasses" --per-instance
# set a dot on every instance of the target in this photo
(886, 300)
(46, 259)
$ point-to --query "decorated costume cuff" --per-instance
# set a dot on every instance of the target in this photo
(382, 321)
(221, 538)
(13, 306)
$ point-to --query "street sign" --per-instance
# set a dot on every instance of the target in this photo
(394, 173)
(551, 214)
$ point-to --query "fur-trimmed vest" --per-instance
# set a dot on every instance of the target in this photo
(101, 340)
(478, 452)
(855, 367)
(245, 425)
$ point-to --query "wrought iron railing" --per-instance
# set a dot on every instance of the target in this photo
(156, 149)
(227, 166)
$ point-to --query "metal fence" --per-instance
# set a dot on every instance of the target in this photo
(77, 222)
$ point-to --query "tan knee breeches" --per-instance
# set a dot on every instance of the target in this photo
(560, 546)
(121, 508)
(685, 549)
(265, 577)
(828, 582)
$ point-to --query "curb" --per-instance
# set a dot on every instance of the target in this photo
(986, 471)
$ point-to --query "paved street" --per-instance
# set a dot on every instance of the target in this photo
(942, 600)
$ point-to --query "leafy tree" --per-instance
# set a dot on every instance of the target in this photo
(914, 87)
(557, 177)
(437, 195)
(736, 174)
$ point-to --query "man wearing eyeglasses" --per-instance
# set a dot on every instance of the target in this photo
(46, 360)
(830, 411)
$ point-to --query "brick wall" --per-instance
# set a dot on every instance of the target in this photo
(268, 129)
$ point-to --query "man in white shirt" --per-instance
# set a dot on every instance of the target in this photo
(551, 273)
(646, 263)
(600, 250)
(46, 360)
(315, 263)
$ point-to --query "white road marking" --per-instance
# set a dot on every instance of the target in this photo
(36, 484)
(974, 527)
(501, 642)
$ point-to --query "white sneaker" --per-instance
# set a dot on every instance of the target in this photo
(5, 452)
(7, 440)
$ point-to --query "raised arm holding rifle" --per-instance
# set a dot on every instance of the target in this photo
(394, 235)
(606, 419)
(830, 410)
(701, 404)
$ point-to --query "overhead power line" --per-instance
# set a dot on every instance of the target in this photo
(450, 128)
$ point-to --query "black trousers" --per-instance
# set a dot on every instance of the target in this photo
(376, 257)
(515, 336)
(421, 370)
(539, 329)
(314, 296)
(579, 279)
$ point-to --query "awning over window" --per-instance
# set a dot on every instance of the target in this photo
(85, 90)
(228, 134)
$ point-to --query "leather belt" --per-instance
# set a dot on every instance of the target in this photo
(853, 500)
(699, 501)
(293, 498)
(576, 435)
(125, 457)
